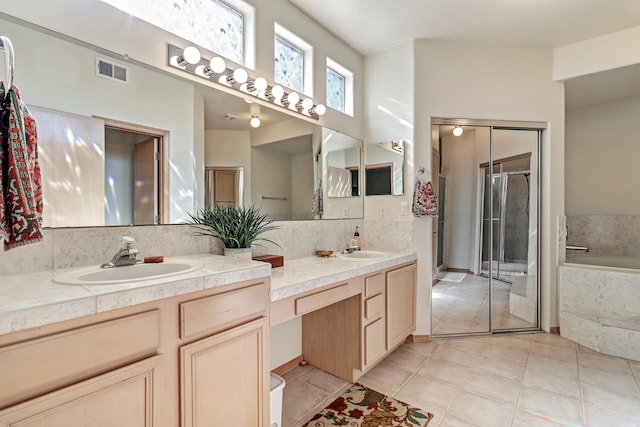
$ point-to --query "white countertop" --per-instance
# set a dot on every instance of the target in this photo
(305, 274)
(34, 299)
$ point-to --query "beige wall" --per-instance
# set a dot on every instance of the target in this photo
(602, 153)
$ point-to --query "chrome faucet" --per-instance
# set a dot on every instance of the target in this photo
(127, 255)
(351, 247)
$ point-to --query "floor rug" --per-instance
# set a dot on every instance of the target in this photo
(449, 276)
(360, 406)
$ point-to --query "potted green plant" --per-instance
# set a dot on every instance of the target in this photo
(237, 227)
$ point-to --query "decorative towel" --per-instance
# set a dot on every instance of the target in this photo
(424, 201)
(20, 184)
(316, 208)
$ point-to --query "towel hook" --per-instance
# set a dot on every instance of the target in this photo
(422, 171)
(5, 44)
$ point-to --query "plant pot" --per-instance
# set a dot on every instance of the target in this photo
(244, 253)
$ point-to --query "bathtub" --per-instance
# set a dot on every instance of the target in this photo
(604, 260)
(599, 303)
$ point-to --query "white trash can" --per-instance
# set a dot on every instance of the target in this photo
(277, 386)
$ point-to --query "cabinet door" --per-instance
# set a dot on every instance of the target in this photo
(401, 304)
(374, 343)
(126, 397)
(225, 378)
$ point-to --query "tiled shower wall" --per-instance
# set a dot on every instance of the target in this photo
(605, 234)
(74, 247)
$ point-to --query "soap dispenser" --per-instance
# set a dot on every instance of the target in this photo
(356, 237)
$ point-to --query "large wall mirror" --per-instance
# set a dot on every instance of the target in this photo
(384, 168)
(135, 152)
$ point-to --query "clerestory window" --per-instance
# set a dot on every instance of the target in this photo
(223, 27)
(339, 87)
(292, 61)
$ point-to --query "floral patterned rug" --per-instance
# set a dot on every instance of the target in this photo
(360, 406)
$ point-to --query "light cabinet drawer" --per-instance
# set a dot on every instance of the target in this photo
(128, 396)
(44, 363)
(321, 299)
(374, 341)
(374, 307)
(373, 285)
(222, 311)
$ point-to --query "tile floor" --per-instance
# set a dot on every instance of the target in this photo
(491, 381)
(463, 307)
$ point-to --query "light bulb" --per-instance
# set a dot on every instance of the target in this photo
(457, 131)
(239, 76)
(217, 65)
(319, 109)
(307, 103)
(191, 55)
(255, 121)
(258, 85)
(293, 98)
(275, 92)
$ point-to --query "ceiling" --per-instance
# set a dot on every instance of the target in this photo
(383, 24)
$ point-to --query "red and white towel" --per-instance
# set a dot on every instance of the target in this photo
(20, 182)
(424, 201)
(316, 207)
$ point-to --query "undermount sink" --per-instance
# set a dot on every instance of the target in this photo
(363, 255)
(124, 274)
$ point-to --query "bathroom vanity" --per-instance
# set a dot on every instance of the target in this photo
(189, 349)
(185, 350)
(354, 312)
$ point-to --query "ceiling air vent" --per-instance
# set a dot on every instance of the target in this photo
(110, 70)
(228, 117)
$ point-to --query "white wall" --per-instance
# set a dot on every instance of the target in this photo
(602, 153)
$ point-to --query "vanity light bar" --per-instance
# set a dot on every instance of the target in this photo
(215, 69)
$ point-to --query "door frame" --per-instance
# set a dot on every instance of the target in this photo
(163, 164)
(540, 127)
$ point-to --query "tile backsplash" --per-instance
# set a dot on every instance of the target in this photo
(605, 234)
(75, 247)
